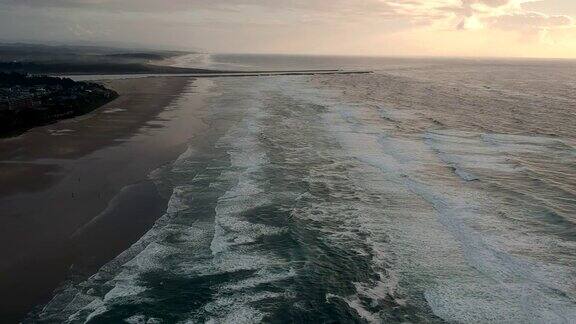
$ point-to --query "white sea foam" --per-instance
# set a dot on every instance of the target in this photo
(142, 319)
(385, 188)
(456, 228)
(234, 234)
(99, 310)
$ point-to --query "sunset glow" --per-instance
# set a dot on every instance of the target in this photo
(499, 28)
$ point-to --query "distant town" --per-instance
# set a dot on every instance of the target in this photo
(28, 100)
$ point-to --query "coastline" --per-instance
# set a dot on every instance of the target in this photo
(59, 99)
(77, 192)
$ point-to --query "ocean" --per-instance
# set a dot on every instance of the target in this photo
(432, 190)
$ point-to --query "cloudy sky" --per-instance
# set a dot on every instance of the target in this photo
(520, 28)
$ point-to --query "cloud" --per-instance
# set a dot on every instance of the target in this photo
(295, 24)
(506, 15)
(531, 20)
(174, 5)
(459, 14)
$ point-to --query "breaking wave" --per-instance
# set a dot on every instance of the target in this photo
(323, 201)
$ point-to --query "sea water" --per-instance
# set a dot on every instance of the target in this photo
(429, 191)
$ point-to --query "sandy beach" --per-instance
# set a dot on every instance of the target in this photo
(77, 193)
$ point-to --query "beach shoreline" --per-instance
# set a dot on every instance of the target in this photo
(78, 191)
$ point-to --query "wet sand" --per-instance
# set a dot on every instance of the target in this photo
(76, 193)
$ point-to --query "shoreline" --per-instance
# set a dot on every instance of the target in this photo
(173, 62)
(53, 105)
(79, 191)
(237, 74)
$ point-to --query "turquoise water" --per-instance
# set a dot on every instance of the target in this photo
(426, 192)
